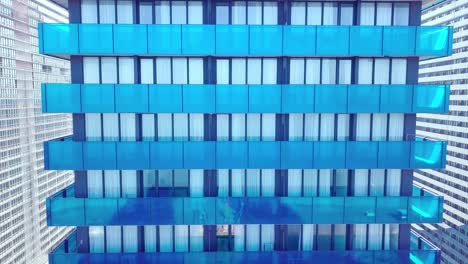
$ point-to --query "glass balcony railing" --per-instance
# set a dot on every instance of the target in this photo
(245, 40)
(162, 98)
(69, 211)
(93, 155)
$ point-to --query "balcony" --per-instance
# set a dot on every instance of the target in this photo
(244, 40)
(162, 98)
(106, 155)
(70, 211)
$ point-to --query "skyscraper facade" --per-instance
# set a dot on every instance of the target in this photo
(244, 132)
(24, 184)
(451, 182)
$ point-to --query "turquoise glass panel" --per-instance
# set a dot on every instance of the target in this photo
(102, 211)
(366, 40)
(264, 154)
(63, 155)
(198, 39)
(166, 155)
(198, 98)
(394, 154)
(232, 98)
(167, 211)
(392, 210)
(431, 98)
(133, 155)
(98, 98)
(96, 39)
(231, 154)
(359, 210)
(297, 98)
(227, 210)
(62, 98)
(363, 98)
(130, 208)
(361, 155)
(199, 155)
(264, 98)
(299, 40)
(294, 210)
(399, 41)
(331, 98)
(327, 210)
(59, 38)
(396, 98)
(424, 209)
(297, 155)
(433, 40)
(165, 98)
(333, 40)
(130, 39)
(265, 40)
(329, 155)
(200, 211)
(428, 154)
(99, 155)
(232, 39)
(164, 39)
(62, 211)
(131, 98)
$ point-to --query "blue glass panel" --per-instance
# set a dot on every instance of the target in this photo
(194, 35)
(62, 98)
(166, 155)
(396, 98)
(62, 211)
(331, 98)
(328, 210)
(264, 98)
(392, 210)
(131, 98)
(360, 210)
(198, 98)
(297, 98)
(134, 211)
(297, 155)
(361, 155)
(164, 39)
(231, 155)
(265, 40)
(299, 40)
(59, 38)
(133, 155)
(199, 211)
(130, 39)
(329, 155)
(293, 210)
(366, 40)
(232, 39)
(424, 209)
(431, 98)
(63, 155)
(95, 209)
(96, 39)
(428, 154)
(333, 40)
(98, 98)
(399, 41)
(433, 41)
(165, 98)
(394, 154)
(264, 155)
(99, 155)
(232, 98)
(199, 155)
(228, 210)
(167, 211)
(363, 98)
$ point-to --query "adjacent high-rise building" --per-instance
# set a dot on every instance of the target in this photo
(244, 131)
(451, 182)
(24, 184)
